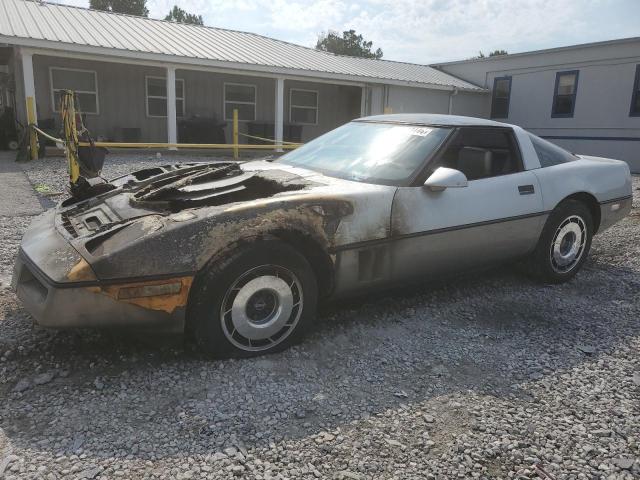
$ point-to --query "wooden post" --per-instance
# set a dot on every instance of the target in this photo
(31, 120)
(236, 150)
(30, 97)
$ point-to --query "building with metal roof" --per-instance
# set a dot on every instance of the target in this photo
(121, 67)
(144, 80)
(75, 29)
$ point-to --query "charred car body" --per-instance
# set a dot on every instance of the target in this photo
(241, 253)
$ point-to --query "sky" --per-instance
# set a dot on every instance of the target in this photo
(422, 31)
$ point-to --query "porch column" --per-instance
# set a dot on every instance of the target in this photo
(171, 106)
(363, 101)
(452, 94)
(30, 99)
(279, 123)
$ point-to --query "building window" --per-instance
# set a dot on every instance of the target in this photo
(241, 97)
(501, 96)
(635, 96)
(156, 93)
(83, 82)
(564, 96)
(303, 106)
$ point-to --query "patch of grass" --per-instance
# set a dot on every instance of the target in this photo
(44, 189)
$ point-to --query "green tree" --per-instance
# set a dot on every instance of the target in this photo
(347, 44)
(179, 15)
(131, 7)
(495, 53)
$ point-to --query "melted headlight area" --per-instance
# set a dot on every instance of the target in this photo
(164, 295)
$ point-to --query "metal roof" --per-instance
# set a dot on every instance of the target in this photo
(46, 25)
(433, 119)
(604, 43)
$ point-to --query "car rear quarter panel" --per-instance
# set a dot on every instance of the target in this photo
(604, 179)
(608, 181)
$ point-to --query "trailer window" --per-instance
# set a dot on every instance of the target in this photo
(500, 98)
(83, 82)
(635, 96)
(564, 97)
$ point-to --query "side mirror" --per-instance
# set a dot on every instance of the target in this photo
(445, 178)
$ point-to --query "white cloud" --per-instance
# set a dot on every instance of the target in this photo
(432, 30)
(422, 31)
(304, 16)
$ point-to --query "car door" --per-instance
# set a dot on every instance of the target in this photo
(495, 217)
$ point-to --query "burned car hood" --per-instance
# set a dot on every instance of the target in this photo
(171, 189)
(174, 218)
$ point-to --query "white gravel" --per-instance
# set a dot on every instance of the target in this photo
(486, 376)
(50, 173)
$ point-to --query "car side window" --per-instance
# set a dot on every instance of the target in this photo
(550, 154)
(482, 153)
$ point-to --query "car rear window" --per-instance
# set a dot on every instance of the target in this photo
(550, 154)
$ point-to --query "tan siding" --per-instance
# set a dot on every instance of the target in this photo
(418, 100)
(205, 96)
(121, 95)
(337, 104)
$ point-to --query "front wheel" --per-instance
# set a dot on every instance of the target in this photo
(564, 244)
(259, 300)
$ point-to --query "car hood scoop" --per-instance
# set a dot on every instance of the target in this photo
(213, 185)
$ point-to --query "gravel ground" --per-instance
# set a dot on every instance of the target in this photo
(487, 376)
(50, 172)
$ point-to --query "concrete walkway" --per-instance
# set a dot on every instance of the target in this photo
(17, 196)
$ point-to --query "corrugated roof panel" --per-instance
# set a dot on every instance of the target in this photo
(93, 35)
(31, 19)
(16, 20)
(44, 27)
(5, 24)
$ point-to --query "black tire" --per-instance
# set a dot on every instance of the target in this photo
(215, 332)
(542, 264)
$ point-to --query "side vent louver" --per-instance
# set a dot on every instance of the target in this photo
(371, 264)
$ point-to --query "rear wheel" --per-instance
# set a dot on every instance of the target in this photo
(259, 300)
(564, 243)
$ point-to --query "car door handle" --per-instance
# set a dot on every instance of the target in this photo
(526, 189)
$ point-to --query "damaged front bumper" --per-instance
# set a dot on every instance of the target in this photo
(57, 287)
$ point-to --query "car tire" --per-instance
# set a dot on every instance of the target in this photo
(260, 299)
(564, 243)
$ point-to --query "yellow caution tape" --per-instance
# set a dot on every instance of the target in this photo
(267, 139)
(47, 136)
(222, 146)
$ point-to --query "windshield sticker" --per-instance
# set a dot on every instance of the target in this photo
(420, 131)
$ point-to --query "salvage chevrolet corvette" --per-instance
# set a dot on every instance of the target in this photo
(239, 254)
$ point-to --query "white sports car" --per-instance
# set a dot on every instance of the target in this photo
(241, 253)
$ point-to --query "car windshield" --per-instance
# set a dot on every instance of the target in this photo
(388, 154)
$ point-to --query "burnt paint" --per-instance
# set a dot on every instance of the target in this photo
(154, 243)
